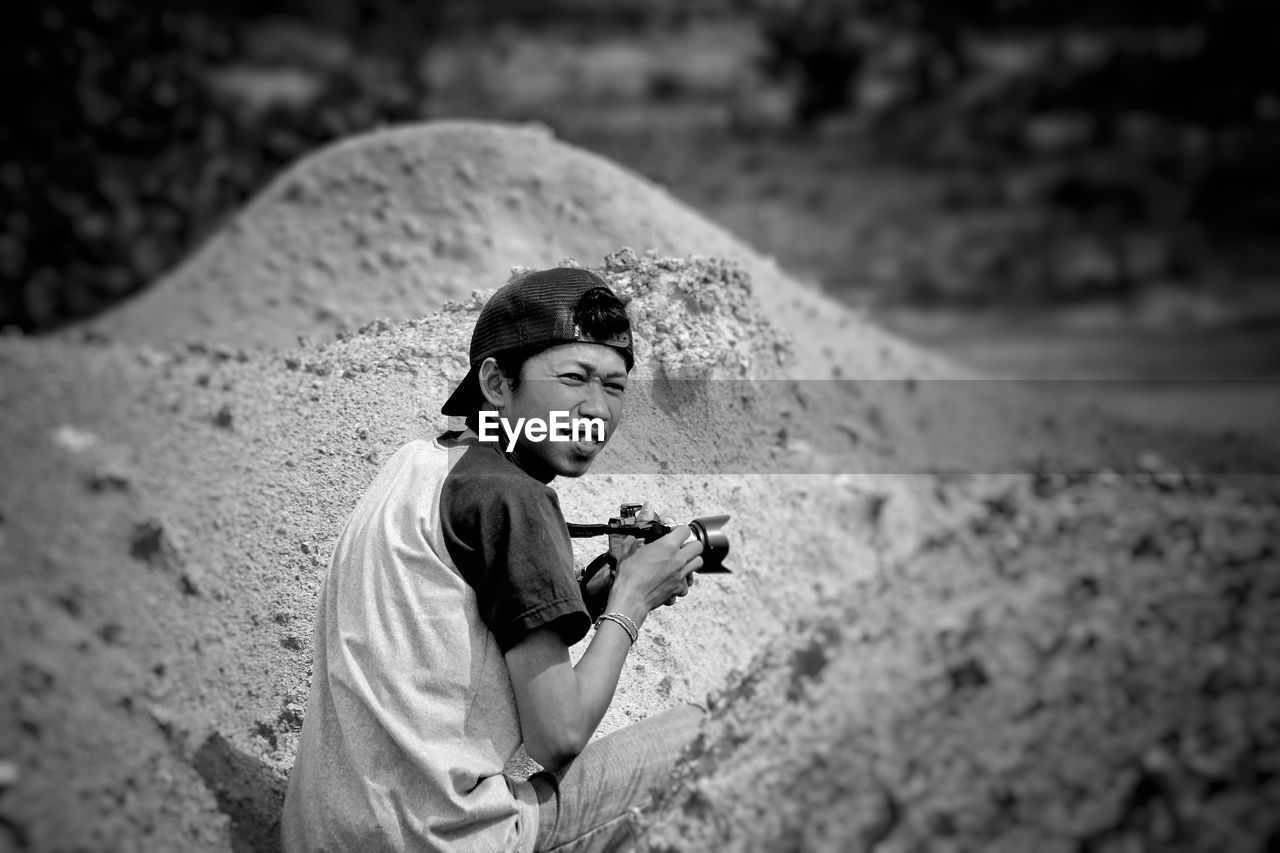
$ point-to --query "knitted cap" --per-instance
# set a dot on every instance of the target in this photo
(531, 313)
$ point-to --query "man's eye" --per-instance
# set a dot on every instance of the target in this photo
(615, 388)
(573, 377)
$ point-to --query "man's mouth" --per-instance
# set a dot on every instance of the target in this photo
(587, 446)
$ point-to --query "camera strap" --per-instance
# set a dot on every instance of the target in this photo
(605, 560)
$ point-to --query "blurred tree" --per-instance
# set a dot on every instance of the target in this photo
(1202, 74)
(119, 155)
(820, 43)
(827, 42)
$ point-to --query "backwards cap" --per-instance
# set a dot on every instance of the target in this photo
(530, 313)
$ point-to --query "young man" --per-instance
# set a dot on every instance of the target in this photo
(443, 631)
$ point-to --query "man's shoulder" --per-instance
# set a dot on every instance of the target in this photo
(483, 490)
(480, 465)
(466, 458)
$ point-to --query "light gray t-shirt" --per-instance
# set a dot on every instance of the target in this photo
(412, 717)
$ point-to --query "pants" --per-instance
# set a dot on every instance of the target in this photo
(587, 806)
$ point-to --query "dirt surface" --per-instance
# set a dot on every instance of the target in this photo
(1088, 664)
(170, 498)
(397, 223)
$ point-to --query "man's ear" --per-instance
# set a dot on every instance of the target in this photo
(494, 386)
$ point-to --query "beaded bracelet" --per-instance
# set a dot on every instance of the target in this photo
(622, 619)
(635, 629)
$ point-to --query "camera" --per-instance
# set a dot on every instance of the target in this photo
(708, 530)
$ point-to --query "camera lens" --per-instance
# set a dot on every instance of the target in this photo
(715, 543)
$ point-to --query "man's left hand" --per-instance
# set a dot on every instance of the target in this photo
(647, 513)
(596, 591)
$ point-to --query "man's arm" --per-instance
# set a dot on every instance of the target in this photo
(560, 705)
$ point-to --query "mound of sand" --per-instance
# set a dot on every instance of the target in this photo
(394, 224)
(1084, 666)
(167, 512)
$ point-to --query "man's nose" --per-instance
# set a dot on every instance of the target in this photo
(596, 403)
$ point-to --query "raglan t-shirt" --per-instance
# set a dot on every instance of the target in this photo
(504, 531)
(452, 556)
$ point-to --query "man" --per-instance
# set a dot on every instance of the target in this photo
(443, 631)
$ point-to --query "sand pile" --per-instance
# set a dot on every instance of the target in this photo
(394, 224)
(168, 514)
(167, 511)
(1090, 664)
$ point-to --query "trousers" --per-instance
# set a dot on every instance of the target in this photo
(591, 805)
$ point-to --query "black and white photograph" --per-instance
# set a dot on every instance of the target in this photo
(847, 426)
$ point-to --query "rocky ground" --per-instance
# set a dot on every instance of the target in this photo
(942, 630)
(1087, 664)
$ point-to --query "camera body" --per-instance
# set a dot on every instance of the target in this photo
(707, 530)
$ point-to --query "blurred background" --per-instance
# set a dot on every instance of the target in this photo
(1037, 187)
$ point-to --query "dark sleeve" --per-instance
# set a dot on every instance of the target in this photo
(510, 542)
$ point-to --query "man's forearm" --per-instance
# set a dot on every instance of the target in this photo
(600, 666)
(561, 704)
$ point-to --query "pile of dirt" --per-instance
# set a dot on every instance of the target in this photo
(1091, 663)
(395, 224)
(168, 514)
(168, 509)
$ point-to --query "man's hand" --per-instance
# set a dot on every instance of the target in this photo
(647, 513)
(657, 573)
(596, 591)
(561, 704)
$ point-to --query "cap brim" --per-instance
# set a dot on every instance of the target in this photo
(466, 399)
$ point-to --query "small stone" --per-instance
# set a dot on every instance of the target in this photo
(107, 479)
(290, 718)
(148, 541)
(188, 582)
(73, 439)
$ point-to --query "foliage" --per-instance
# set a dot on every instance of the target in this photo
(1183, 93)
(122, 154)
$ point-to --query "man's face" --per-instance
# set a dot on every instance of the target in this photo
(585, 380)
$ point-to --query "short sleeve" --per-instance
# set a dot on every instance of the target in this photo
(508, 538)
